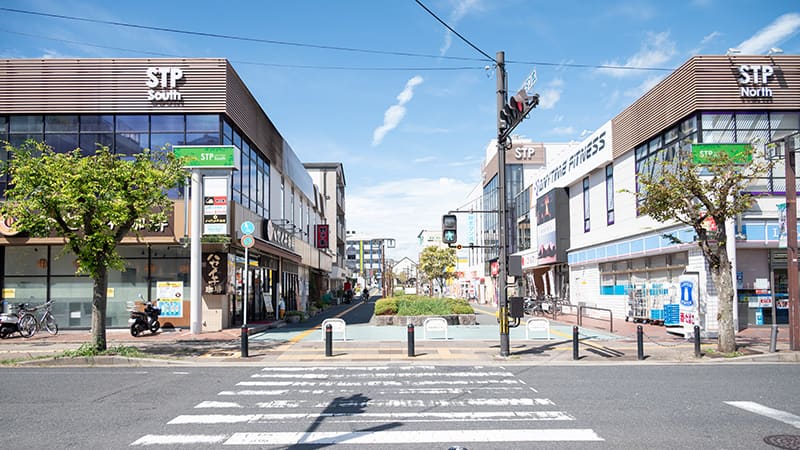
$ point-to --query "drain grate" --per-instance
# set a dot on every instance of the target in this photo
(787, 441)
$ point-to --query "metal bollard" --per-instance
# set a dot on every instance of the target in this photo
(245, 350)
(575, 343)
(328, 340)
(411, 339)
(773, 339)
(639, 343)
(697, 353)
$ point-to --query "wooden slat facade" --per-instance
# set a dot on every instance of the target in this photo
(118, 86)
(704, 83)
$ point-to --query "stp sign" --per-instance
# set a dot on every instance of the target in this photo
(322, 235)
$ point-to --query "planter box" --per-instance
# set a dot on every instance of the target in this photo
(452, 319)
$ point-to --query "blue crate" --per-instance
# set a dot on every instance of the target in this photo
(656, 314)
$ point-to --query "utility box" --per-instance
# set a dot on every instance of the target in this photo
(515, 309)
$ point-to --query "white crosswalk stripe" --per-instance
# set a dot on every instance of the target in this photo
(325, 405)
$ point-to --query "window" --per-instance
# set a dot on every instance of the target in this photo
(610, 194)
(586, 206)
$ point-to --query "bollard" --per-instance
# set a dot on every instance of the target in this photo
(639, 343)
(245, 352)
(575, 343)
(328, 340)
(697, 353)
(411, 339)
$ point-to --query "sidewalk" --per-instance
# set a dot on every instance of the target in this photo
(276, 343)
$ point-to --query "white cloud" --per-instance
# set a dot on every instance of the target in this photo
(460, 10)
(396, 112)
(563, 130)
(393, 209)
(771, 35)
(656, 50)
(551, 94)
(645, 86)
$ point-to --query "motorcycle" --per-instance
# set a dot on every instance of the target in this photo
(348, 296)
(365, 295)
(141, 321)
(9, 323)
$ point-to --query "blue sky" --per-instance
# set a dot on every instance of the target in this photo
(412, 131)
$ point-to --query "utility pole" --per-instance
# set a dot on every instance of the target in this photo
(501, 208)
(789, 149)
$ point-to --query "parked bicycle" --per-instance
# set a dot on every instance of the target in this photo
(29, 324)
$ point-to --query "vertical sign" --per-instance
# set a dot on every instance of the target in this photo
(782, 230)
(215, 273)
(546, 228)
(322, 235)
(215, 205)
(689, 298)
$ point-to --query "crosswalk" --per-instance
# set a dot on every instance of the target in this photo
(375, 405)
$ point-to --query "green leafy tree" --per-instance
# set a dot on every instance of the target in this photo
(691, 193)
(435, 263)
(92, 202)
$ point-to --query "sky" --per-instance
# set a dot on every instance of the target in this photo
(407, 106)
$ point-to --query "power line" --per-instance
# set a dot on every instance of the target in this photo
(290, 66)
(323, 47)
(455, 32)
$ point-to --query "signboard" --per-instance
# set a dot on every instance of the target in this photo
(208, 157)
(706, 153)
(783, 235)
(321, 232)
(248, 241)
(170, 298)
(215, 205)
(215, 273)
(578, 161)
(247, 227)
(689, 297)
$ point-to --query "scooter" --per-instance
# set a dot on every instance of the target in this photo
(9, 323)
(365, 296)
(348, 296)
(141, 321)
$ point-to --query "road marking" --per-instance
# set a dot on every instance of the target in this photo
(445, 375)
(782, 416)
(411, 437)
(336, 369)
(168, 439)
(470, 416)
(209, 404)
(305, 333)
(384, 383)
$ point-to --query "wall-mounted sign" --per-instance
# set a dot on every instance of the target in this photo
(705, 153)
(590, 154)
(215, 273)
(754, 78)
(163, 83)
(170, 298)
(208, 157)
(322, 231)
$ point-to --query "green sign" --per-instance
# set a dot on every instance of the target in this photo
(208, 157)
(705, 153)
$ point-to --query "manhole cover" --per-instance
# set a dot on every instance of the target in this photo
(787, 441)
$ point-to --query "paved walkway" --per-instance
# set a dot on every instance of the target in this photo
(279, 342)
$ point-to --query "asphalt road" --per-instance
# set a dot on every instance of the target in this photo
(402, 406)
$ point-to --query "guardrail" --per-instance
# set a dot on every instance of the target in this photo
(610, 316)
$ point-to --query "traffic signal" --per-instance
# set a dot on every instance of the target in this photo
(449, 225)
(518, 106)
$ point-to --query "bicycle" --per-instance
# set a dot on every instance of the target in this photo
(29, 324)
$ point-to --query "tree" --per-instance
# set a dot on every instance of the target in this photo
(92, 202)
(694, 194)
(435, 262)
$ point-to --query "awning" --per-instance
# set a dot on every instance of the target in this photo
(274, 250)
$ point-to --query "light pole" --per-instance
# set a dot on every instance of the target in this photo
(790, 146)
(501, 207)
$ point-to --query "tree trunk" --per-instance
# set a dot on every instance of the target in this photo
(723, 280)
(99, 302)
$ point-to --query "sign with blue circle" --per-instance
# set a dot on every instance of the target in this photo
(247, 227)
(248, 241)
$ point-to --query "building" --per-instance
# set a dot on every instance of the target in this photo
(366, 260)
(329, 177)
(617, 258)
(132, 104)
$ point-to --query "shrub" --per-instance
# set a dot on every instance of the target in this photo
(460, 306)
(386, 307)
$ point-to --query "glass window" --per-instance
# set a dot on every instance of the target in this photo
(167, 123)
(97, 124)
(712, 121)
(207, 138)
(133, 123)
(28, 260)
(718, 136)
(165, 140)
(26, 124)
(586, 206)
(204, 122)
(227, 131)
(689, 126)
(61, 124)
(609, 194)
(131, 143)
(671, 135)
(784, 121)
(18, 139)
(89, 142)
(62, 143)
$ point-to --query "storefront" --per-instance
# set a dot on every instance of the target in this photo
(618, 258)
(133, 104)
